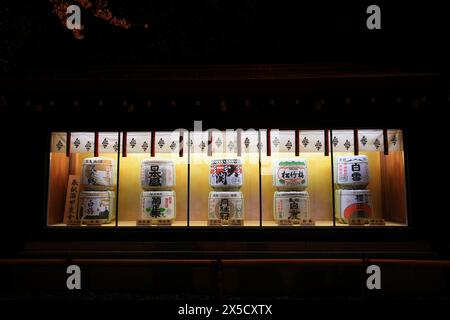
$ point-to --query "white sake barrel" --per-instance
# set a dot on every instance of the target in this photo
(353, 204)
(158, 205)
(290, 174)
(226, 174)
(352, 172)
(96, 205)
(226, 205)
(98, 173)
(291, 205)
(157, 174)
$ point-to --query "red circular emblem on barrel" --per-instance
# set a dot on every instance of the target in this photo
(358, 210)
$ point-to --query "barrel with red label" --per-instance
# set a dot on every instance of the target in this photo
(353, 204)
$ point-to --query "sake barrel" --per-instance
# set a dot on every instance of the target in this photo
(158, 205)
(157, 174)
(97, 173)
(352, 172)
(290, 174)
(353, 204)
(226, 174)
(226, 205)
(96, 206)
(291, 205)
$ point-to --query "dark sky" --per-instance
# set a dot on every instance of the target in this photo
(227, 32)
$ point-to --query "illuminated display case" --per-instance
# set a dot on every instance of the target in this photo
(225, 178)
(264, 178)
(369, 170)
(297, 183)
(83, 178)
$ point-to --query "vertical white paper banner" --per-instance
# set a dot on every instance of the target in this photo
(249, 141)
(370, 140)
(231, 142)
(138, 142)
(395, 139)
(342, 141)
(199, 147)
(218, 142)
(312, 141)
(167, 142)
(199, 142)
(82, 142)
(58, 142)
(108, 142)
(287, 142)
(275, 140)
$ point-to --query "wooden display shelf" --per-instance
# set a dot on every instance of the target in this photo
(204, 223)
(133, 224)
(58, 225)
(247, 223)
(319, 223)
(388, 224)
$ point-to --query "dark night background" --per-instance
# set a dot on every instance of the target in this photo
(227, 32)
(45, 74)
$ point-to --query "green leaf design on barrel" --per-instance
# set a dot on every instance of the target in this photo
(292, 163)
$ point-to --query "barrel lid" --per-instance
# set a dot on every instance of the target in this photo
(289, 161)
(291, 193)
(158, 193)
(96, 194)
(359, 158)
(226, 161)
(159, 161)
(94, 160)
(353, 192)
(225, 194)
